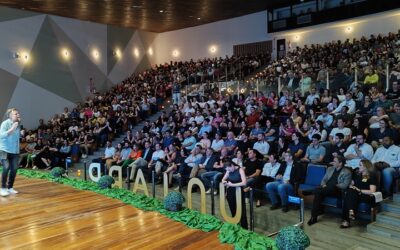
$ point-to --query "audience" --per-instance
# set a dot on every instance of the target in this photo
(202, 132)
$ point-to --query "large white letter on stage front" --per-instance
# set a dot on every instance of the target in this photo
(198, 182)
(143, 185)
(91, 176)
(238, 215)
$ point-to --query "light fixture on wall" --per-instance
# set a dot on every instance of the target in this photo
(65, 53)
(348, 29)
(16, 55)
(95, 54)
(175, 53)
(213, 49)
(22, 55)
(136, 52)
(150, 51)
(117, 53)
(296, 38)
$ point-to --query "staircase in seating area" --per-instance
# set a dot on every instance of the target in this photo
(166, 106)
(387, 222)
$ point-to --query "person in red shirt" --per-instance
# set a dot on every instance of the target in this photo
(253, 118)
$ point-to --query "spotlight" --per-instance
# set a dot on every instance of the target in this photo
(213, 49)
(95, 54)
(175, 53)
(136, 52)
(349, 29)
(150, 51)
(118, 53)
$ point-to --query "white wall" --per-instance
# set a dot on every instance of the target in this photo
(382, 23)
(194, 43)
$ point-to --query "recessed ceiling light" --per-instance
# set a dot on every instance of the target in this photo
(137, 6)
(161, 11)
(198, 18)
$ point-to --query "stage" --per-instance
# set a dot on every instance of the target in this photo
(47, 215)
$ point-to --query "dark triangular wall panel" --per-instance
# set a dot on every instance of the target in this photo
(7, 14)
(46, 68)
(147, 38)
(80, 65)
(143, 65)
(8, 85)
(117, 37)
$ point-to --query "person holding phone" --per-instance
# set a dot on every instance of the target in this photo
(9, 151)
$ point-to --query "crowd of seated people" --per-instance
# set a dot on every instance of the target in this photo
(275, 137)
(78, 132)
(352, 125)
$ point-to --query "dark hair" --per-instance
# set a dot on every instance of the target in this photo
(341, 159)
(297, 134)
(385, 120)
(316, 136)
(228, 162)
(340, 135)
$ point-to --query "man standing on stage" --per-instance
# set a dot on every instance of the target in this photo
(9, 151)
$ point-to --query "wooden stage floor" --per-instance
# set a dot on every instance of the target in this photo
(46, 215)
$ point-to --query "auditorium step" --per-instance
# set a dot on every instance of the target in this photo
(388, 218)
(386, 241)
(100, 151)
(396, 198)
(391, 206)
(385, 230)
(387, 222)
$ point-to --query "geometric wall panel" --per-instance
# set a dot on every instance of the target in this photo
(46, 69)
(117, 37)
(86, 36)
(17, 36)
(8, 84)
(34, 103)
(129, 61)
(144, 64)
(47, 82)
(147, 38)
(7, 14)
(79, 64)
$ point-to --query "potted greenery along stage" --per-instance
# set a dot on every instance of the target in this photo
(57, 172)
(174, 201)
(292, 238)
(105, 181)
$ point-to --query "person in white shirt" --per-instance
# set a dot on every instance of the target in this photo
(189, 109)
(199, 118)
(261, 145)
(238, 160)
(267, 175)
(340, 129)
(310, 98)
(358, 151)
(217, 144)
(348, 102)
(157, 159)
(108, 154)
(387, 159)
